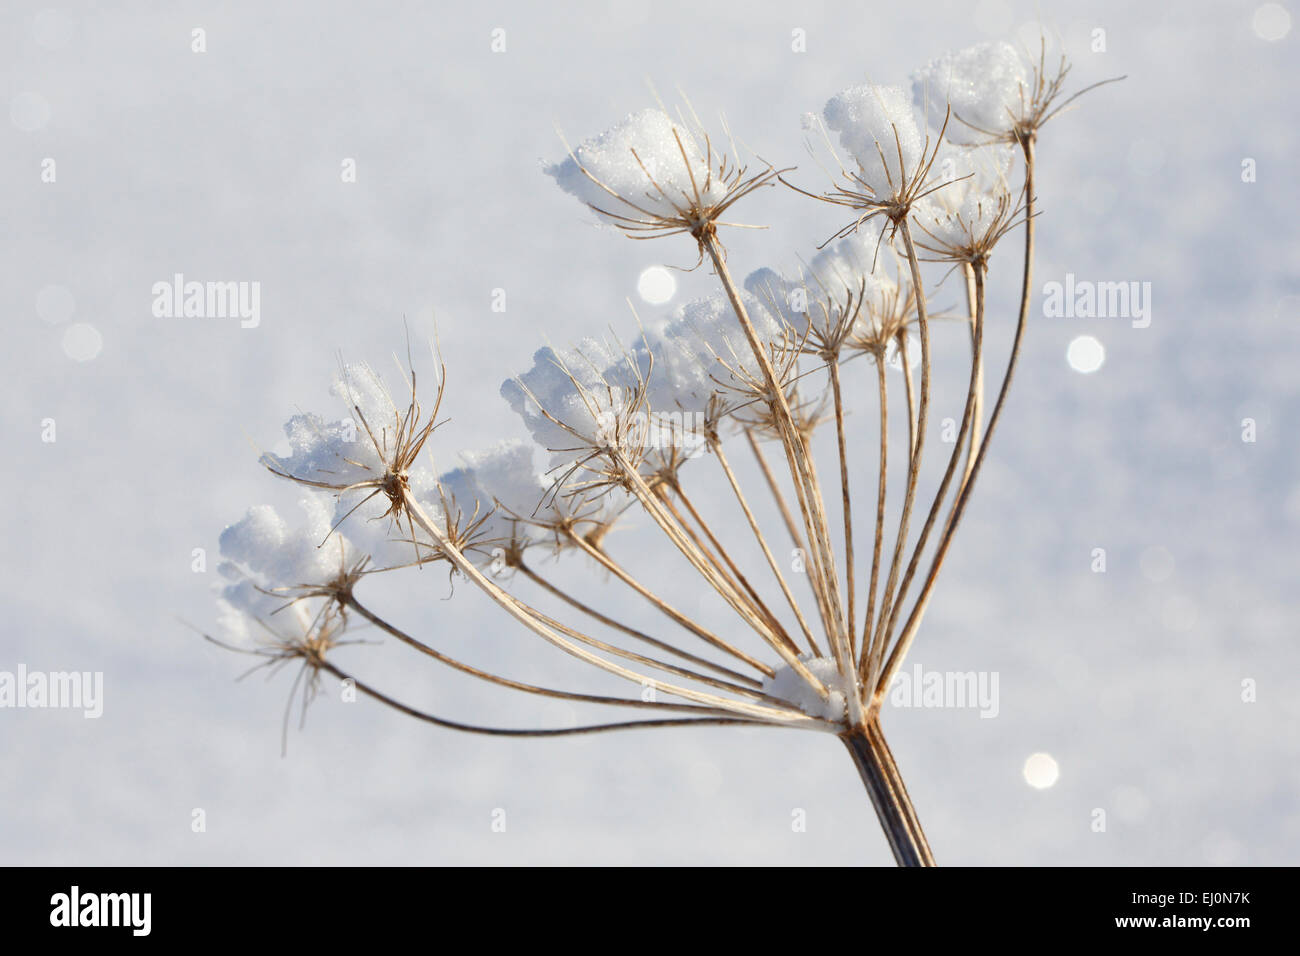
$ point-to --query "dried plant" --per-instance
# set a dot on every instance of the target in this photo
(625, 427)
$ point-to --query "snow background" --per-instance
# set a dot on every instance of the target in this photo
(226, 165)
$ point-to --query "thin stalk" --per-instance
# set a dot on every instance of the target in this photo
(966, 419)
(491, 678)
(908, 391)
(819, 511)
(736, 573)
(796, 453)
(642, 636)
(616, 569)
(1026, 293)
(409, 711)
(795, 537)
(654, 507)
(709, 552)
(977, 358)
(767, 551)
(844, 660)
(536, 622)
(817, 577)
(847, 500)
(880, 514)
(651, 505)
(914, 461)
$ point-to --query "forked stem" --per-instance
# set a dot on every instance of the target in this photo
(875, 763)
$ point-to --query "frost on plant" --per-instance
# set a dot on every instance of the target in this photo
(987, 87)
(757, 389)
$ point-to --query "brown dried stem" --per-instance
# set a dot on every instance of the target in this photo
(608, 621)
(909, 630)
(767, 551)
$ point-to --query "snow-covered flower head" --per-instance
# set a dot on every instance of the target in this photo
(371, 461)
(707, 366)
(604, 412)
(850, 265)
(263, 548)
(878, 128)
(891, 155)
(964, 220)
(249, 616)
(707, 350)
(988, 87)
(837, 299)
(653, 177)
(338, 451)
(576, 509)
(994, 92)
(500, 488)
(287, 597)
(580, 402)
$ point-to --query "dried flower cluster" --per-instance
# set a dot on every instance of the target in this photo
(941, 175)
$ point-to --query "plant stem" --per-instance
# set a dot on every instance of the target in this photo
(885, 621)
(737, 575)
(977, 419)
(540, 625)
(968, 415)
(767, 551)
(795, 537)
(847, 505)
(963, 494)
(802, 474)
(605, 619)
(867, 656)
(614, 568)
(875, 763)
